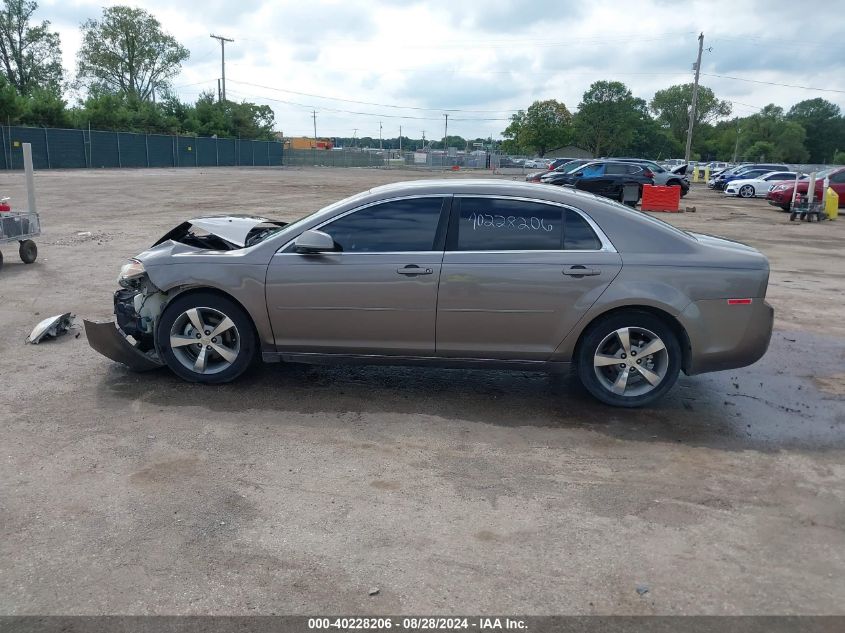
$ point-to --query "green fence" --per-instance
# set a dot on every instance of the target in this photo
(54, 148)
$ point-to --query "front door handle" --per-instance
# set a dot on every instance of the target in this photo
(413, 269)
(580, 271)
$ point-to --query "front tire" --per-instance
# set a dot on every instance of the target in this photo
(205, 337)
(746, 191)
(629, 359)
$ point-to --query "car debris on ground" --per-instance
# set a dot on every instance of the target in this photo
(51, 327)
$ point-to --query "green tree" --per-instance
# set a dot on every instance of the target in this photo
(608, 117)
(784, 139)
(30, 53)
(544, 126)
(45, 107)
(839, 158)
(671, 106)
(762, 150)
(127, 52)
(824, 125)
(11, 104)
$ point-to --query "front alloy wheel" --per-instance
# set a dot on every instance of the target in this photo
(204, 337)
(630, 359)
(746, 191)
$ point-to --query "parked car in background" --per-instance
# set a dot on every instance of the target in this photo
(780, 195)
(758, 187)
(526, 277)
(660, 175)
(671, 163)
(539, 176)
(535, 163)
(720, 181)
(605, 178)
(557, 162)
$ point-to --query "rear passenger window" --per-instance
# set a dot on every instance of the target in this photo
(494, 224)
(616, 168)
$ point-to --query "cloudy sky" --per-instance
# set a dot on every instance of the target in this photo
(360, 63)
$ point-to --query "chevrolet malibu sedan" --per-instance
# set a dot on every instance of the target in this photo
(450, 273)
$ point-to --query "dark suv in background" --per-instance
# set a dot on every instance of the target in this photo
(604, 177)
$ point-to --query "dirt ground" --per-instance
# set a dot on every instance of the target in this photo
(299, 489)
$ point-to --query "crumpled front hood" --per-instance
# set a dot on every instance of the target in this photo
(232, 228)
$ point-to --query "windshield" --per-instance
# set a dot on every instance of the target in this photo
(821, 175)
(574, 166)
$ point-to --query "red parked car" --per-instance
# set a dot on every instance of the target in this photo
(780, 195)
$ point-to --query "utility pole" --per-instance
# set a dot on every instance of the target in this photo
(380, 145)
(423, 139)
(400, 139)
(694, 98)
(219, 97)
(355, 137)
(736, 145)
(314, 116)
(445, 132)
(223, 41)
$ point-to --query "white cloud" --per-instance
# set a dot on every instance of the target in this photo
(495, 55)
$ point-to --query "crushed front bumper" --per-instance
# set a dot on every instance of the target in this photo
(112, 343)
(125, 341)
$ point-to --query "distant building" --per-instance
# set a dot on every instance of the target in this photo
(307, 142)
(570, 151)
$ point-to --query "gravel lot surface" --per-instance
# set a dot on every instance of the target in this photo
(298, 489)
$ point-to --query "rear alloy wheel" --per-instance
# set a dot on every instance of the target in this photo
(629, 359)
(204, 337)
(746, 191)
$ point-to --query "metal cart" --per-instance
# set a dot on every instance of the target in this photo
(806, 209)
(22, 226)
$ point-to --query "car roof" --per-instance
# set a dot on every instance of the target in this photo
(629, 230)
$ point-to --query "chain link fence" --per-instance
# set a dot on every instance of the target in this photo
(55, 148)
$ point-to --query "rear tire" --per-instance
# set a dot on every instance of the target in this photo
(205, 337)
(628, 359)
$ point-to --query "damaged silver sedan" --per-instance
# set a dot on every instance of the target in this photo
(453, 273)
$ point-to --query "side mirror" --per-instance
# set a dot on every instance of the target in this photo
(314, 242)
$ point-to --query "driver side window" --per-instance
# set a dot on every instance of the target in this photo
(394, 226)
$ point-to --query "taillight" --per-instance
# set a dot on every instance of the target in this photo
(738, 302)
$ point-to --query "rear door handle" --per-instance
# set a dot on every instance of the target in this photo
(580, 271)
(413, 269)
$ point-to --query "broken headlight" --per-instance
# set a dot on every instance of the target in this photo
(130, 273)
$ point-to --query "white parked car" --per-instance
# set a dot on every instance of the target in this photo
(758, 187)
(538, 163)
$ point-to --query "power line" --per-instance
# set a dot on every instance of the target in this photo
(774, 83)
(373, 114)
(370, 103)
